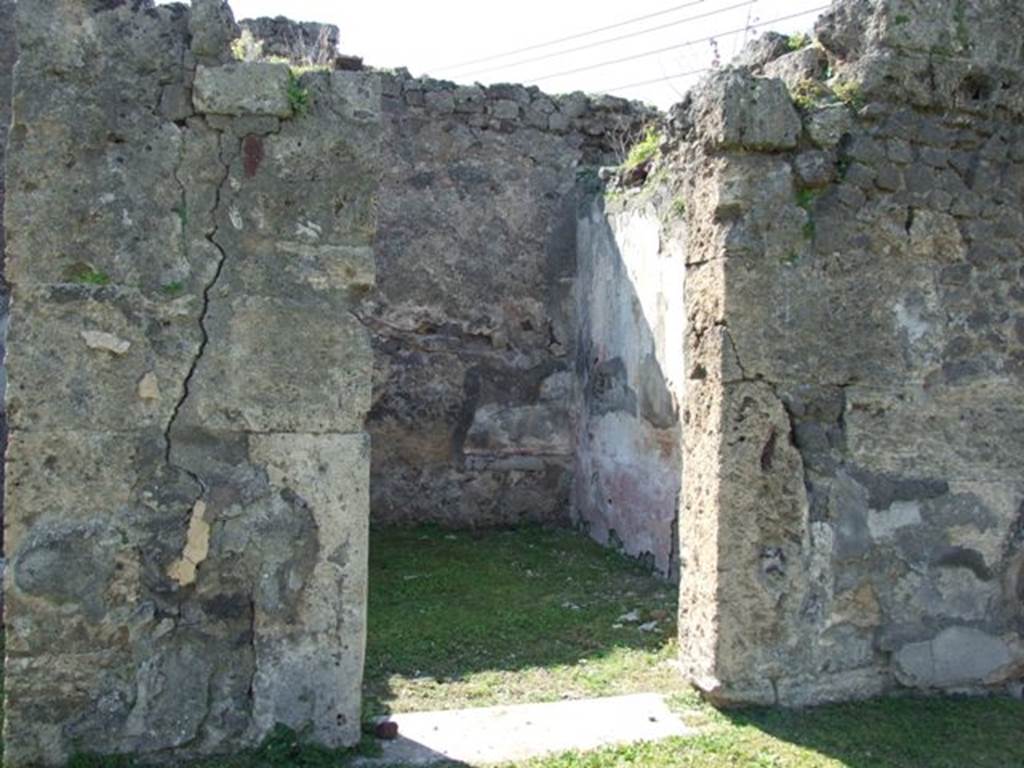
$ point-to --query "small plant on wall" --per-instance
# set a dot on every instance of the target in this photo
(298, 96)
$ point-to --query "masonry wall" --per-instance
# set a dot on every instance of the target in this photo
(853, 489)
(629, 363)
(798, 331)
(8, 55)
(473, 318)
(187, 489)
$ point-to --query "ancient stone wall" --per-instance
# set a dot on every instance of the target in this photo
(8, 55)
(473, 317)
(853, 488)
(784, 355)
(305, 43)
(629, 363)
(188, 472)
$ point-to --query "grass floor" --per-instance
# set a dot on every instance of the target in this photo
(461, 619)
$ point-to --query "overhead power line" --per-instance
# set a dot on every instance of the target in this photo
(598, 43)
(676, 47)
(570, 38)
(666, 78)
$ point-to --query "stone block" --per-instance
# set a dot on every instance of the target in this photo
(356, 95)
(243, 88)
(79, 356)
(957, 656)
(309, 665)
(75, 475)
(505, 109)
(500, 428)
(809, 63)
(297, 269)
(279, 365)
(826, 125)
(735, 109)
(212, 28)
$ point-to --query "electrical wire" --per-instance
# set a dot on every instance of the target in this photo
(569, 38)
(686, 44)
(666, 78)
(587, 46)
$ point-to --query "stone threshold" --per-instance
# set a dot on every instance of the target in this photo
(490, 735)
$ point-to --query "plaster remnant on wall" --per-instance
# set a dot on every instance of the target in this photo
(149, 387)
(107, 342)
(883, 523)
(197, 547)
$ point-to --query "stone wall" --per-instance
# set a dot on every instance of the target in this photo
(188, 473)
(853, 439)
(629, 361)
(305, 43)
(784, 355)
(473, 317)
(8, 55)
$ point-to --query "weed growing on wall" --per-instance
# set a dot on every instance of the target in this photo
(645, 149)
(298, 96)
(86, 274)
(807, 93)
(798, 41)
(849, 93)
(172, 289)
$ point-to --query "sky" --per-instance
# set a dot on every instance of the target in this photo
(447, 39)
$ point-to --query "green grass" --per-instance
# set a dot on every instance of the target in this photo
(849, 93)
(172, 289)
(283, 748)
(87, 275)
(887, 733)
(807, 93)
(461, 620)
(298, 97)
(644, 150)
(798, 41)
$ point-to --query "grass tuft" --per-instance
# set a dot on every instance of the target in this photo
(298, 97)
(86, 274)
(172, 289)
(798, 41)
(644, 150)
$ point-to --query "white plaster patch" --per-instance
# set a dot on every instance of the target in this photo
(259, 217)
(106, 342)
(883, 523)
(236, 218)
(308, 229)
(910, 321)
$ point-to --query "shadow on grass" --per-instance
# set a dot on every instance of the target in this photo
(904, 732)
(447, 606)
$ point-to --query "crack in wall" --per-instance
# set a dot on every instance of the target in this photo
(210, 237)
(185, 569)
